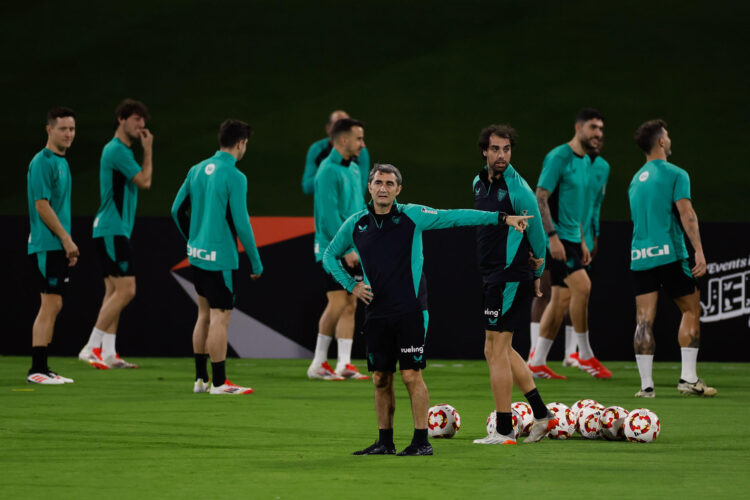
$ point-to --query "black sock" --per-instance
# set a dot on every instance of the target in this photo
(39, 359)
(537, 405)
(420, 437)
(504, 423)
(385, 436)
(200, 367)
(220, 373)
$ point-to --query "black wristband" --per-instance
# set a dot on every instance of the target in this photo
(501, 217)
(551, 234)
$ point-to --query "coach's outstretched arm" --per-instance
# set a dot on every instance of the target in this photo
(427, 218)
(181, 207)
(241, 219)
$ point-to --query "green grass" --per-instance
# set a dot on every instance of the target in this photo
(143, 433)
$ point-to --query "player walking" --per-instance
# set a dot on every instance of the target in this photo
(561, 194)
(509, 281)
(211, 212)
(120, 178)
(387, 236)
(50, 246)
(659, 258)
(338, 194)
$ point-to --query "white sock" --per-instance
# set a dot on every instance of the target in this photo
(689, 360)
(570, 341)
(95, 340)
(534, 335)
(345, 352)
(584, 348)
(543, 345)
(645, 368)
(321, 349)
(108, 345)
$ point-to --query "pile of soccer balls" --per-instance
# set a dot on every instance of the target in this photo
(586, 416)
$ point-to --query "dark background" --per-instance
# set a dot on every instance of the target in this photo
(426, 77)
(159, 321)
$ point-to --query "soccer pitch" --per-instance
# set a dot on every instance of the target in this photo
(143, 433)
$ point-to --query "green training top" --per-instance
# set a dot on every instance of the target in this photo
(319, 151)
(596, 188)
(564, 174)
(119, 194)
(48, 179)
(338, 194)
(658, 238)
(211, 212)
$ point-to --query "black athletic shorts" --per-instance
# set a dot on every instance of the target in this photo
(115, 256)
(396, 338)
(51, 271)
(216, 286)
(560, 270)
(507, 305)
(331, 284)
(675, 278)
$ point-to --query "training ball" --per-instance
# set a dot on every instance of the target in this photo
(565, 426)
(515, 417)
(642, 426)
(589, 422)
(612, 421)
(526, 417)
(575, 408)
(443, 421)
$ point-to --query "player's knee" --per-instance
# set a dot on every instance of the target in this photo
(126, 290)
(381, 379)
(52, 304)
(410, 377)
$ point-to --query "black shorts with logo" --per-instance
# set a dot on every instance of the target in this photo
(507, 305)
(560, 270)
(675, 278)
(331, 284)
(216, 286)
(396, 338)
(115, 256)
(50, 269)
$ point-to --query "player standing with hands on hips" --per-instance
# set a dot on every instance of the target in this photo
(387, 237)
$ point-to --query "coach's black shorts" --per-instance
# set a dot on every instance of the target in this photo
(560, 270)
(676, 279)
(51, 271)
(330, 282)
(216, 286)
(115, 256)
(396, 338)
(507, 305)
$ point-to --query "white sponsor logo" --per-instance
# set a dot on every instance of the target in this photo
(201, 254)
(643, 177)
(210, 169)
(412, 350)
(429, 211)
(490, 312)
(728, 294)
(647, 253)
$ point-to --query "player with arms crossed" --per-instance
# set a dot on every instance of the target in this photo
(50, 246)
(338, 194)
(319, 151)
(387, 236)
(120, 178)
(662, 213)
(509, 281)
(211, 212)
(561, 194)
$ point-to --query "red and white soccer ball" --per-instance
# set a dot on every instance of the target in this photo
(443, 421)
(579, 405)
(642, 426)
(589, 422)
(526, 417)
(612, 421)
(565, 426)
(516, 419)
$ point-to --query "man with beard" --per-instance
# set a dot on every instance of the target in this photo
(120, 178)
(561, 194)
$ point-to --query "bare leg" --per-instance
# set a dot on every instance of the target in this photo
(643, 339)
(690, 332)
(553, 314)
(496, 350)
(579, 285)
(44, 323)
(420, 398)
(337, 302)
(522, 377)
(123, 291)
(200, 332)
(217, 334)
(385, 399)
(345, 323)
